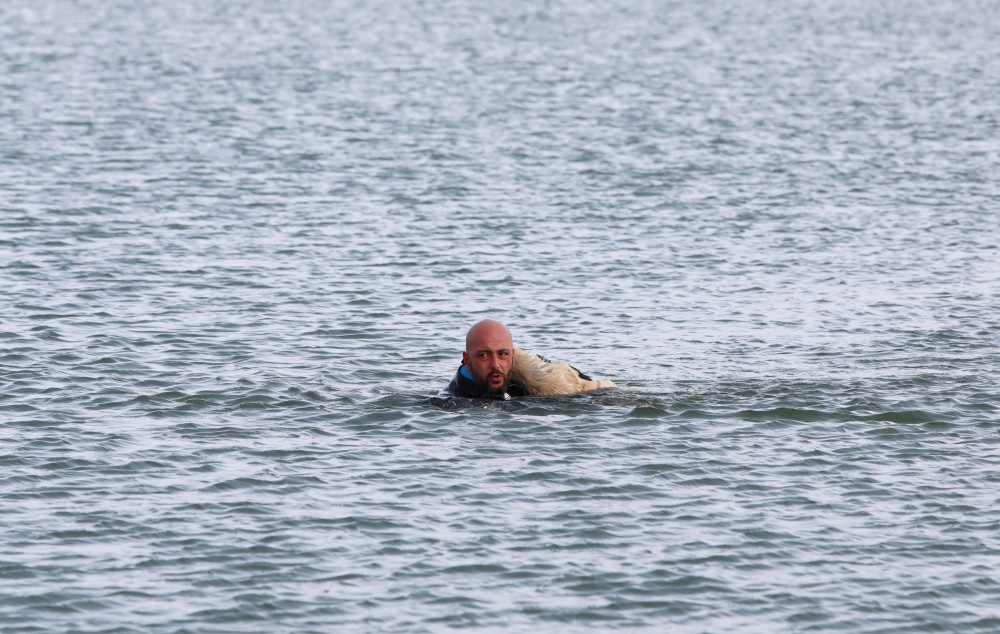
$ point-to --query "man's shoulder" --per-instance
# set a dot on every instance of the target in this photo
(462, 385)
(454, 388)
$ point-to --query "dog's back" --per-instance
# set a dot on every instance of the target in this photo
(542, 378)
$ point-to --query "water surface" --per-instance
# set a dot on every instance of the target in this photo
(240, 245)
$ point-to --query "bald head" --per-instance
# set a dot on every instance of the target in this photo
(487, 329)
(489, 355)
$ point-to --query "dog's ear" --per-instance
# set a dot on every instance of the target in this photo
(522, 371)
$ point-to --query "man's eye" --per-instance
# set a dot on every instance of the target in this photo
(504, 353)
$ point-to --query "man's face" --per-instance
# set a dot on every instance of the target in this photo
(489, 355)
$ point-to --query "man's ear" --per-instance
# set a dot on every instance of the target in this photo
(465, 359)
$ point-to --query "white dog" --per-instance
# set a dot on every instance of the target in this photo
(544, 378)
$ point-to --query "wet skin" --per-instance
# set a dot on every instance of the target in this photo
(489, 356)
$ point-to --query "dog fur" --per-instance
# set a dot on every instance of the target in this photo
(542, 378)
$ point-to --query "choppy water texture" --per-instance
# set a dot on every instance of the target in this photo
(240, 242)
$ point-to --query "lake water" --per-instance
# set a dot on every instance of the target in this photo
(241, 243)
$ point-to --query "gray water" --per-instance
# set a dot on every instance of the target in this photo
(241, 242)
